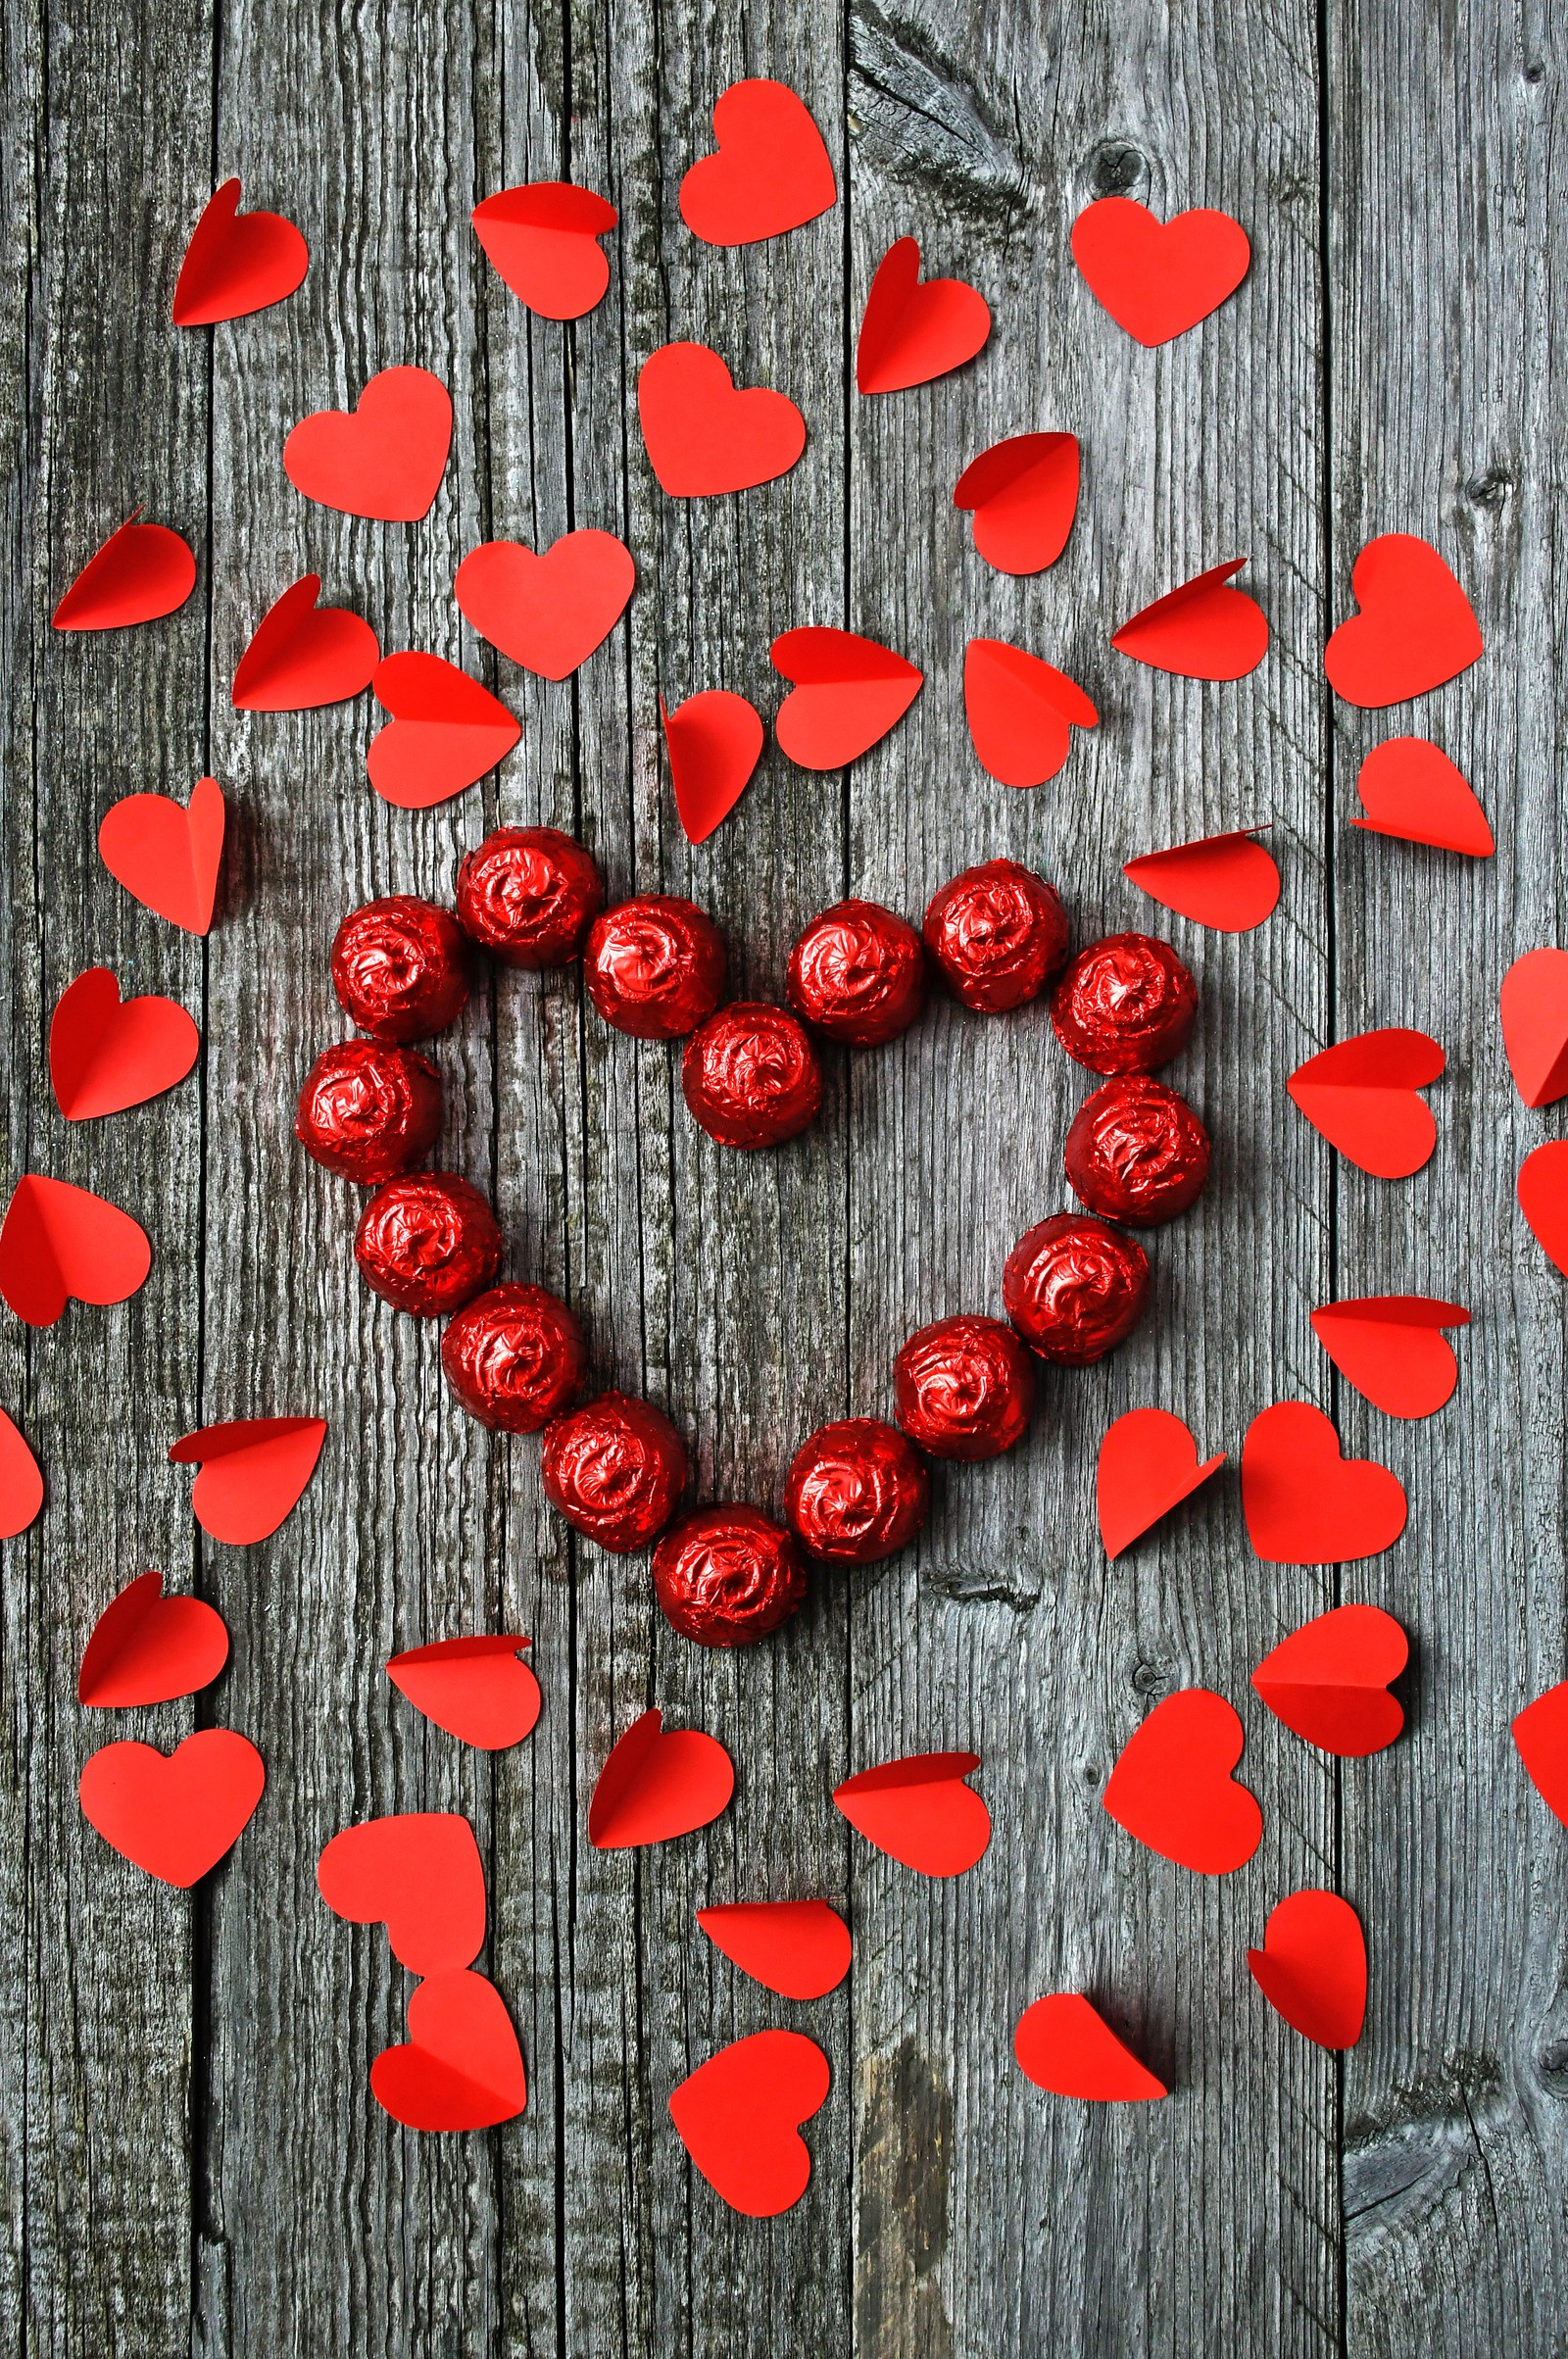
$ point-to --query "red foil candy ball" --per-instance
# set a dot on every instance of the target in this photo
(615, 1469)
(400, 967)
(998, 933)
(857, 974)
(857, 1491)
(1126, 1004)
(529, 895)
(368, 1109)
(751, 1075)
(963, 1388)
(726, 1576)
(515, 1357)
(654, 967)
(428, 1242)
(1137, 1152)
(1074, 1289)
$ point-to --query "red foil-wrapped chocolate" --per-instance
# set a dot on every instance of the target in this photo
(1074, 1289)
(1126, 1004)
(998, 933)
(727, 1575)
(1137, 1152)
(751, 1075)
(428, 1242)
(400, 967)
(654, 967)
(856, 1490)
(857, 974)
(528, 894)
(368, 1109)
(515, 1357)
(615, 1469)
(963, 1388)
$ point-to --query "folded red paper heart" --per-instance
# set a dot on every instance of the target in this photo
(920, 1811)
(253, 1473)
(1306, 1504)
(1229, 882)
(1362, 1094)
(1534, 1008)
(1023, 495)
(237, 263)
(800, 1948)
(1392, 1349)
(1312, 1967)
(107, 1053)
(771, 173)
(445, 734)
(302, 655)
(543, 238)
(1415, 629)
(1329, 1681)
(148, 1648)
(847, 693)
(1410, 789)
(704, 434)
(1063, 2045)
(20, 1481)
(714, 742)
(384, 458)
(1158, 279)
(141, 572)
(739, 2115)
(1203, 630)
(656, 1784)
(1173, 1790)
(915, 330)
(1147, 1465)
(1022, 711)
(461, 2067)
(419, 1874)
(60, 1244)
(473, 1688)
(165, 853)
(1543, 1191)
(173, 1814)
(548, 612)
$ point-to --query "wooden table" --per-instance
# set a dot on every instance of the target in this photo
(191, 2159)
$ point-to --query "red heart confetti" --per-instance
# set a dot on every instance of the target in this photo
(548, 612)
(1023, 495)
(302, 655)
(20, 1481)
(1172, 1788)
(1415, 629)
(386, 458)
(141, 572)
(714, 742)
(1062, 2043)
(1306, 1504)
(1410, 789)
(800, 1948)
(706, 435)
(658, 1784)
(1230, 882)
(1147, 1464)
(1328, 1682)
(920, 1812)
(1392, 1348)
(848, 692)
(1361, 1096)
(148, 1648)
(473, 1688)
(543, 239)
(417, 1873)
(445, 734)
(1201, 630)
(1312, 1967)
(1541, 1733)
(911, 332)
(166, 854)
(253, 1473)
(771, 173)
(237, 263)
(1158, 279)
(1534, 1007)
(739, 2116)
(60, 1243)
(173, 1814)
(461, 2067)
(105, 1054)
(1543, 1189)
(1022, 711)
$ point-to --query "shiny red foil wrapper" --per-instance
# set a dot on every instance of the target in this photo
(615, 1469)
(654, 967)
(515, 1357)
(1076, 1289)
(368, 1109)
(857, 974)
(963, 1388)
(727, 1576)
(998, 934)
(428, 1242)
(1126, 1004)
(751, 1075)
(1137, 1152)
(400, 967)
(528, 894)
(857, 1491)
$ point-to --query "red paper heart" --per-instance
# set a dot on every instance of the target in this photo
(166, 854)
(302, 655)
(1022, 711)
(1329, 1681)
(59, 1243)
(920, 1812)
(446, 731)
(237, 263)
(1062, 2043)
(548, 612)
(1534, 1007)
(704, 434)
(1023, 493)
(1410, 789)
(911, 332)
(1147, 1465)
(738, 2117)
(173, 1814)
(20, 1481)
(543, 239)
(1392, 1348)
(1361, 1096)
(1172, 1787)
(714, 742)
(386, 458)
(1543, 1199)
(658, 1784)
(418, 1874)
(473, 1688)
(1158, 279)
(148, 1648)
(772, 172)
(1230, 882)
(1306, 1505)
(253, 1473)
(1415, 629)
(800, 1948)
(848, 693)
(105, 1053)
(1312, 1967)
(141, 572)
(461, 2067)
(1541, 1733)
(1201, 631)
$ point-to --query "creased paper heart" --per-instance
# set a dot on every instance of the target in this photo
(1312, 1967)
(473, 1688)
(658, 1784)
(1023, 495)
(915, 330)
(1362, 1094)
(166, 854)
(920, 1811)
(148, 1648)
(253, 1473)
(543, 239)
(800, 1948)
(302, 655)
(1022, 711)
(1149, 1464)
(141, 572)
(1229, 882)
(445, 734)
(1329, 1681)
(1410, 789)
(1392, 1349)
(848, 693)
(107, 1053)
(60, 1244)
(461, 2067)
(237, 263)
(1063, 2045)
(1203, 630)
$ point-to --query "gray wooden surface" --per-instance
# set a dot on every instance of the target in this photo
(189, 2157)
